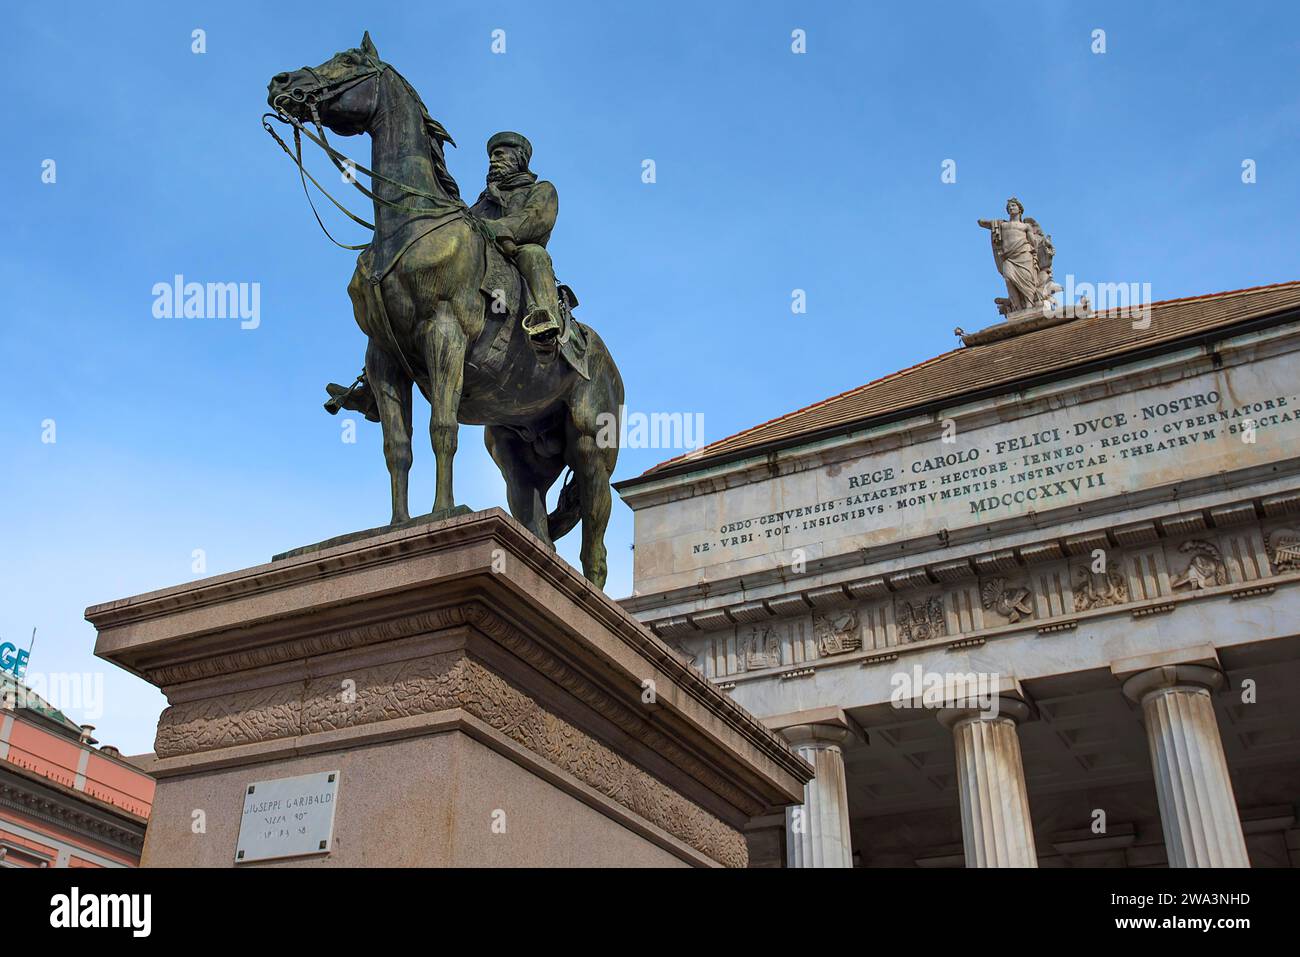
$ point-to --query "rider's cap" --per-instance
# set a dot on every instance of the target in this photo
(508, 138)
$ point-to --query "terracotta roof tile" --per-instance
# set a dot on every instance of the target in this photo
(978, 368)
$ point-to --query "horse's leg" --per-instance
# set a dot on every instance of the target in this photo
(592, 463)
(527, 477)
(392, 389)
(444, 343)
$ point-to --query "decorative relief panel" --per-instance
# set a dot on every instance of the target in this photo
(838, 633)
(1041, 582)
(1204, 566)
(760, 648)
(245, 717)
(920, 620)
(1098, 589)
(1284, 549)
(417, 686)
(1009, 601)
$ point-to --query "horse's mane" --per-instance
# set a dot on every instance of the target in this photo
(437, 135)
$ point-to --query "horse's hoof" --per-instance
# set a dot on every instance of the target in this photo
(438, 514)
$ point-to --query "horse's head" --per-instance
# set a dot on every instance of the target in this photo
(344, 90)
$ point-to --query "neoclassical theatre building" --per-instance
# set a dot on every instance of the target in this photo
(1032, 602)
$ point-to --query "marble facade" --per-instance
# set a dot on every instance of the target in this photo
(1117, 551)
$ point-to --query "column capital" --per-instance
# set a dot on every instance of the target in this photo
(817, 735)
(1163, 678)
(818, 727)
(1204, 655)
(1014, 708)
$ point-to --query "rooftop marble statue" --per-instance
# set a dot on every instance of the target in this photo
(1023, 254)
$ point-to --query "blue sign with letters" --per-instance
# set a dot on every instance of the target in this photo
(12, 660)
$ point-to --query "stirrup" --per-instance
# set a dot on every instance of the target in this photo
(535, 328)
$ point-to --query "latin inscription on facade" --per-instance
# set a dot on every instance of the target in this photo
(1153, 437)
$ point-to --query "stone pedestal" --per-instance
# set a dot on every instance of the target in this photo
(997, 830)
(817, 833)
(482, 704)
(1198, 811)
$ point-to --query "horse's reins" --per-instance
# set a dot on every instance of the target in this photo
(311, 98)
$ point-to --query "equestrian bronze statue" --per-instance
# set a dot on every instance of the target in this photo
(463, 303)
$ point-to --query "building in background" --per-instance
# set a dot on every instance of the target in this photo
(64, 802)
(1032, 602)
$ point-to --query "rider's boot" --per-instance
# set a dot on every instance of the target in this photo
(546, 315)
(546, 323)
(355, 398)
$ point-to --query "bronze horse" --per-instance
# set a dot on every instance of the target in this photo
(418, 294)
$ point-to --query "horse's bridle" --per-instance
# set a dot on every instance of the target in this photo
(326, 90)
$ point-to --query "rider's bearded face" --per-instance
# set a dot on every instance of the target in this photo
(504, 161)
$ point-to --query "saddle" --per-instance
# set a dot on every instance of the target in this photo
(504, 288)
(507, 298)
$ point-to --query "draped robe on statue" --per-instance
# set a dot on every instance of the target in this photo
(1015, 252)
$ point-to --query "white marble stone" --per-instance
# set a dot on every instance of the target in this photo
(1190, 536)
(817, 833)
(1006, 458)
(1096, 642)
(997, 830)
(1198, 811)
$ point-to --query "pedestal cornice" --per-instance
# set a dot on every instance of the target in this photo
(472, 614)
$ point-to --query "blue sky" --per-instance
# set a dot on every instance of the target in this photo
(775, 172)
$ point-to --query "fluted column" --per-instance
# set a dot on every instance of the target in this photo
(817, 833)
(995, 824)
(1198, 811)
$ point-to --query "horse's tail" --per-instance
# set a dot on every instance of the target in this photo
(568, 510)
